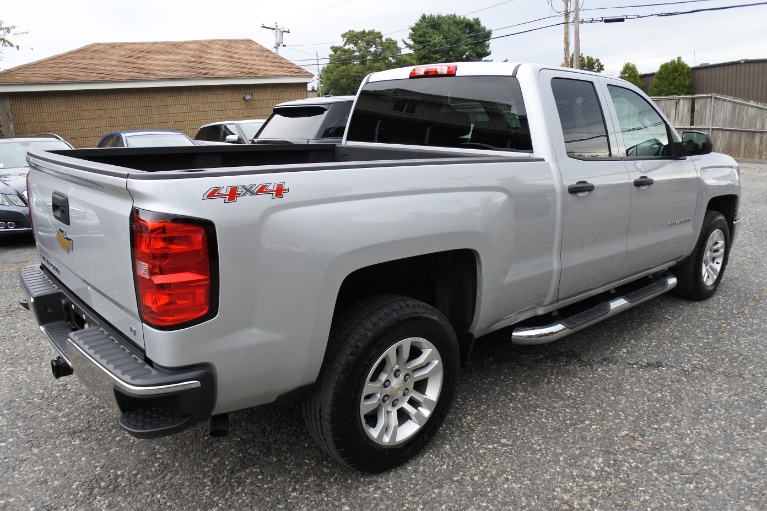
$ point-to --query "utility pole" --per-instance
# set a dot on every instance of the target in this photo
(319, 82)
(577, 35)
(566, 62)
(277, 36)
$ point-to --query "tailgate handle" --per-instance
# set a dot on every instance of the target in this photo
(60, 206)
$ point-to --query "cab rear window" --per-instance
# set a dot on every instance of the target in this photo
(443, 111)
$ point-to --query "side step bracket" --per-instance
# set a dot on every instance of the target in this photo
(571, 324)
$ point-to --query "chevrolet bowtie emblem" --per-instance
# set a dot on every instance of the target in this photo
(65, 241)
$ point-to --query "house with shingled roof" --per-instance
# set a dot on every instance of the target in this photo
(103, 87)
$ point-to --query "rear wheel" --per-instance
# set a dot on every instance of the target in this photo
(386, 383)
(699, 276)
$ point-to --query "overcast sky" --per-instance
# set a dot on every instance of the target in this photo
(50, 28)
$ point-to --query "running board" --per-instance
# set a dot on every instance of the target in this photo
(569, 325)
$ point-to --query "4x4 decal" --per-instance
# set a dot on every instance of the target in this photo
(232, 193)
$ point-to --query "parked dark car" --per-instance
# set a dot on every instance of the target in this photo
(311, 120)
(14, 206)
(145, 138)
(233, 132)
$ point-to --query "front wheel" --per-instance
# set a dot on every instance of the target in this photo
(386, 383)
(699, 276)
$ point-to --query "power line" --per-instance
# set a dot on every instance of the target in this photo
(486, 8)
(406, 29)
(326, 60)
(670, 14)
(661, 4)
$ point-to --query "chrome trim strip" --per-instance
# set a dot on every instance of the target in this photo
(56, 346)
(132, 389)
(527, 336)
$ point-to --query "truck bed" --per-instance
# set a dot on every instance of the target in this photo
(262, 159)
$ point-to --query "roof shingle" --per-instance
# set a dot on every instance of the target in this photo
(110, 62)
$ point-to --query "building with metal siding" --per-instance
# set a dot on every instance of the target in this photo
(742, 79)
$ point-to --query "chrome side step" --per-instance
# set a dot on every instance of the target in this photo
(571, 324)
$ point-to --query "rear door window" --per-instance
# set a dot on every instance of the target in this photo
(581, 117)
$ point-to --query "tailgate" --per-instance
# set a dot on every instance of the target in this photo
(81, 216)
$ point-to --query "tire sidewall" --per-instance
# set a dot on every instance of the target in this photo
(713, 221)
(351, 435)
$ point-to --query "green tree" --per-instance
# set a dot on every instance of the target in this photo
(630, 73)
(448, 38)
(5, 32)
(588, 63)
(674, 78)
(363, 52)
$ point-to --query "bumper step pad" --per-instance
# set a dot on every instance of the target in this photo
(152, 422)
(153, 400)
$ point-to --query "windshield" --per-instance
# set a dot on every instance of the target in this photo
(296, 122)
(249, 129)
(157, 140)
(14, 154)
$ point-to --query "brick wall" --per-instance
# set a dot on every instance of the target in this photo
(82, 117)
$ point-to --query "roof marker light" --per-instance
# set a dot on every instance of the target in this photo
(433, 70)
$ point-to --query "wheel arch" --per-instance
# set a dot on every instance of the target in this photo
(727, 205)
(447, 281)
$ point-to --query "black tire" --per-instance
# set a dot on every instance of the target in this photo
(360, 339)
(693, 281)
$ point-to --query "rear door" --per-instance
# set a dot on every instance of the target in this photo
(81, 224)
(664, 186)
(596, 184)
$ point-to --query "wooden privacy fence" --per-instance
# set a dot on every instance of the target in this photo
(738, 128)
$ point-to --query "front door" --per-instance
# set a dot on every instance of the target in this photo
(664, 187)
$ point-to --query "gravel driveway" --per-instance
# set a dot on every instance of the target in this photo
(662, 407)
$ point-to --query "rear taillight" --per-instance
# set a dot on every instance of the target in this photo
(174, 268)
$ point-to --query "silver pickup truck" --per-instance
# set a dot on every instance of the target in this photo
(181, 284)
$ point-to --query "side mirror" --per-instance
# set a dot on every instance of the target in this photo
(232, 139)
(696, 142)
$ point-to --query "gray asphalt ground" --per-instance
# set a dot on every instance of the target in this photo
(662, 407)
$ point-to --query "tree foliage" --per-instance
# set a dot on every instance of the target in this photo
(588, 63)
(363, 52)
(448, 38)
(630, 73)
(5, 32)
(674, 78)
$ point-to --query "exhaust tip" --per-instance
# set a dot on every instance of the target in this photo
(219, 425)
